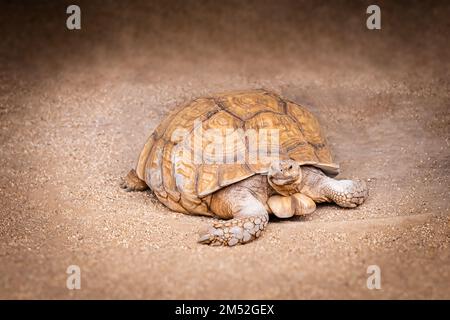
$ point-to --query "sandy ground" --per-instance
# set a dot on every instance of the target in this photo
(77, 106)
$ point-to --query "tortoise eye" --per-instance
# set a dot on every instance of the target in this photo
(290, 167)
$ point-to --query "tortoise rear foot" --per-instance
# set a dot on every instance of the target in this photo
(234, 231)
(132, 182)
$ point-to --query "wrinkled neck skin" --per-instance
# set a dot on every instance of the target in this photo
(309, 183)
(313, 183)
(287, 189)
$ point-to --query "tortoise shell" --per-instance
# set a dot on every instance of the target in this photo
(216, 141)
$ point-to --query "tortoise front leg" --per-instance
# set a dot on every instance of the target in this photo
(235, 231)
(345, 193)
(288, 206)
(249, 218)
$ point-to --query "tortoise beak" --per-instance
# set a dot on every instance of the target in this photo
(282, 173)
(281, 181)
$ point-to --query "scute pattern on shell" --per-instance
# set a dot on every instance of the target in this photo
(168, 166)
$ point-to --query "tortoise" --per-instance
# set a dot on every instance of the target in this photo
(211, 157)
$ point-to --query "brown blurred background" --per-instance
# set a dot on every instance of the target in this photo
(77, 106)
(246, 36)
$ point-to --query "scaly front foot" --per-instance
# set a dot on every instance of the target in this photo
(347, 193)
(234, 231)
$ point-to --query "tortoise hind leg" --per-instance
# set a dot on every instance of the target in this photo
(132, 182)
(250, 218)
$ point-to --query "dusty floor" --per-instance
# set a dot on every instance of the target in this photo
(76, 107)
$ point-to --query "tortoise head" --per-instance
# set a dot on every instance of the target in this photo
(284, 176)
